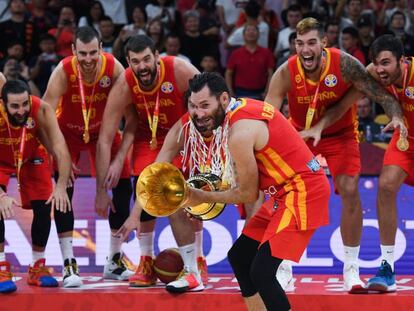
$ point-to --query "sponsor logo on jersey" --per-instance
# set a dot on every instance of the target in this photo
(105, 81)
(409, 92)
(331, 80)
(167, 87)
(30, 123)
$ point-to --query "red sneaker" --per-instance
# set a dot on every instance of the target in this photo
(6, 278)
(39, 275)
(144, 275)
(203, 269)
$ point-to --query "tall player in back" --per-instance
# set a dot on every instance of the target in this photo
(313, 80)
(78, 90)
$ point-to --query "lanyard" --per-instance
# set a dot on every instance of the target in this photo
(86, 112)
(18, 163)
(153, 120)
(312, 106)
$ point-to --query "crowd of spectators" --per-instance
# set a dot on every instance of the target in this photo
(245, 40)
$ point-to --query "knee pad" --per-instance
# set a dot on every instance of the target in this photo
(64, 221)
(121, 199)
(41, 222)
(241, 256)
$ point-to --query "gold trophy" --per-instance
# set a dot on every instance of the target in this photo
(162, 190)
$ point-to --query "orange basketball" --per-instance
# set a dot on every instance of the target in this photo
(168, 265)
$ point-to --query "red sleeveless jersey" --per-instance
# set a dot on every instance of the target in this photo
(171, 99)
(406, 98)
(332, 88)
(287, 168)
(10, 141)
(69, 111)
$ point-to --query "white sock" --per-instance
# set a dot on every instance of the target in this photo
(351, 254)
(187, 252)
(146, 243)
(387, 253)
(115, 245)
(199, 243)
(2, 256)
(66, 247)
(36, 256)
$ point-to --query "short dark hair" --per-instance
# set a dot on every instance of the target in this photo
(106, 18)
(252, 9)
(139, 43)
(398, 13)
(215, 82)
(86, 34)
(14, 87)
(47, 37)
(387, 43)
(352, 31)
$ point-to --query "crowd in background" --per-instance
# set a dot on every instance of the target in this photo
(245, 40)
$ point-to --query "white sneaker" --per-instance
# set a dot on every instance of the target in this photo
(115, 269)
(285, 277)
(186, 282)
(352, 282)
(70, 273)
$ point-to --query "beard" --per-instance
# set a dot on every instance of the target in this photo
(206, 125)
(20, 121)
(152, 72)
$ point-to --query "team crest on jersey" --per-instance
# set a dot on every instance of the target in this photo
(72, 78)
(167, 87)
(331, 80)
(298, 79)
(409, 92)
(30, 123)
(105, 81)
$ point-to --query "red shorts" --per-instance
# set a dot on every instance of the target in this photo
(76, 146)
(280, 230)
(35, 178)
(402, 159)
(142, 156)
(341, 153)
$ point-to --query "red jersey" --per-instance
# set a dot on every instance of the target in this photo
(69, 111)
(287, 168)
(171, 108)
(406, 98)
(10, 141)
(332, 88)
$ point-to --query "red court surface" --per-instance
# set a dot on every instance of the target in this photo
(313, 292)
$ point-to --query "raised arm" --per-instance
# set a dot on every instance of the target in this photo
(279, 86)
(52, 138)
(56, 87)
(353, 71)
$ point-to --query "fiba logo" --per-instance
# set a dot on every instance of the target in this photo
(331, 80)
(167, 87)
(409, 92)
(30, 123)
(105, 81)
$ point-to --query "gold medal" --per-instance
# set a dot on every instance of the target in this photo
(153, 144)
(402, 144)
(86, 137)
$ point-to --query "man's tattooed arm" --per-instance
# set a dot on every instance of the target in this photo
(353, 71)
